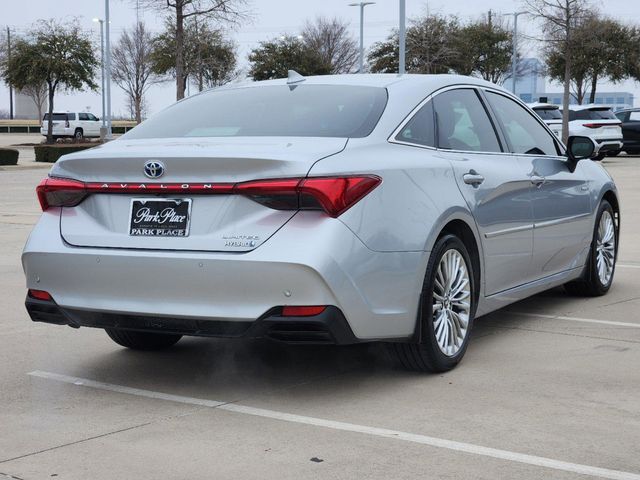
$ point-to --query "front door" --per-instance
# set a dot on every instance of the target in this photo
(560, 196)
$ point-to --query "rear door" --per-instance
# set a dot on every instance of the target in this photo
(561, 201)
(494, 184)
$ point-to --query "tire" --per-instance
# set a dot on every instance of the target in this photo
(593, 284)
(78, 134)
(599, 157)
(427, 355)
(142, 340)
(613, 153)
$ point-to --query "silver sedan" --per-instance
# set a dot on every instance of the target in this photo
(333, 209)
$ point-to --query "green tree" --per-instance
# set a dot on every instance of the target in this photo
(431, 47)
(183, 11)
(602, 48)
(209, 59)
(484, 49)
(272, 59)
(57, 54)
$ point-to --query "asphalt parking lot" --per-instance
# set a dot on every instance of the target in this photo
(549, 388)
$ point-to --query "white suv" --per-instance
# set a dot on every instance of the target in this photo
(599, 123)
(551, 115)
(70, 124)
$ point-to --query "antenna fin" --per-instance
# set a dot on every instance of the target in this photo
(294, 77)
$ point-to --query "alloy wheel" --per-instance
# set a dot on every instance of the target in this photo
(605, 248)
(451, 302)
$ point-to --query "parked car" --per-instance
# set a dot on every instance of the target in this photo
(551, 115)
(599, 123)
(332, 209)
(72, 124)
(630, 119)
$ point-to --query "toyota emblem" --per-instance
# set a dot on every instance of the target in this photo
(153, 169)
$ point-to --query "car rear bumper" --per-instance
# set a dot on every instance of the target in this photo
(330, 326)
(312, 260)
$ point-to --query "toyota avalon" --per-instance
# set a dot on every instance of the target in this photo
(331, 209)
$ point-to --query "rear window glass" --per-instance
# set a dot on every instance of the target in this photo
(592, 114)
(548, 113)
(278, 110)
(57, 116)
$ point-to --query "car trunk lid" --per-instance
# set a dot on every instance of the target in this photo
(199, 171)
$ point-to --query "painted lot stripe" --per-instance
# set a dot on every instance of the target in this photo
(577, 319)
(350, 427)
(627, 265)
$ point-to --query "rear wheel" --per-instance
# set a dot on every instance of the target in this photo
(446, 311)
(142, 340)
(602, 257)
(599, 157)
(613, 153)
(78, 134)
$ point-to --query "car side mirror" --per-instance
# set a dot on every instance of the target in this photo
(579, 148)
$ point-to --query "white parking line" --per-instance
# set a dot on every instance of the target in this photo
(627, 265)
(350, 427)
(577, 319)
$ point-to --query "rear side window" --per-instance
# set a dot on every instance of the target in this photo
(548, 113)
(524, 133)
(276, 110)
(421, 128)
(57, 117)
(462, 122)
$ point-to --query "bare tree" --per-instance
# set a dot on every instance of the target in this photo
(37, 93)
(131, 67)
(332, 40)
(229, 11)
(560, 20)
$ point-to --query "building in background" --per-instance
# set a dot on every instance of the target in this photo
(26, 108)
(615, 100)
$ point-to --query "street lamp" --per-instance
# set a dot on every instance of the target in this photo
(103, 130)
(361, 5)
(107, 68)
(514, 42)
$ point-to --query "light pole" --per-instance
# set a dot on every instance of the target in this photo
(107, 68)
(361, 5)
(514, 43)
(402, 37)
(103, 130)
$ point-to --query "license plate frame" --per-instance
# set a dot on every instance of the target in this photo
(158, 220)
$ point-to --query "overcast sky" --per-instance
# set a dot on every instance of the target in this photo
(271, 18)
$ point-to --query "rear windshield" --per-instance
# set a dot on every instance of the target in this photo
(279, 110)
(57, 116)
(548, 113)
(592, 114)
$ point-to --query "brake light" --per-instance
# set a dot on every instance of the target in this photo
(306, 311)
(60, 192)
(66, 123)
(334, 195)
(40, 295)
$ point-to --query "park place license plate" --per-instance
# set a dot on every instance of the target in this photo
(160, 217)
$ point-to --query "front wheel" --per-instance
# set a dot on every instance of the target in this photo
(446, 311)
(602, 256)
(142, 340)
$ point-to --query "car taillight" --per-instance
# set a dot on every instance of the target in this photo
(66, 123)
(598, 125)
(334, 195)
(60, 192)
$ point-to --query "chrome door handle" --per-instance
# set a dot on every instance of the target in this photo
(473, 178)
(537, 180)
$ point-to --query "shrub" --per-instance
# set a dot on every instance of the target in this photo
(51, 153)
(8, 156)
